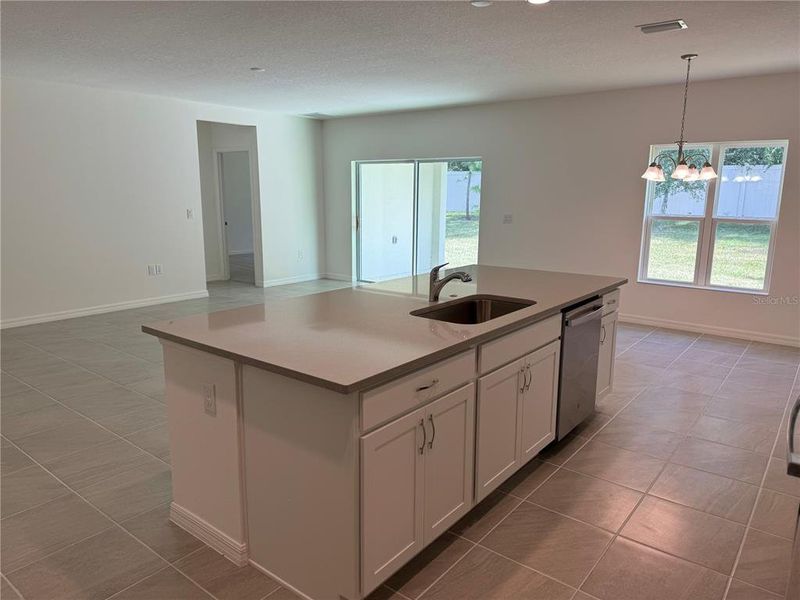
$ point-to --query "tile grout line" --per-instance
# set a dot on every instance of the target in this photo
(652, 483)
(92, 421)
(112, 525)
(545, 480)
(761, 486)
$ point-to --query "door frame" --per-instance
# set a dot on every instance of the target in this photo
(356, 206)
(222, 236)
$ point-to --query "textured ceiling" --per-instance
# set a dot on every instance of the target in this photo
(342, 58)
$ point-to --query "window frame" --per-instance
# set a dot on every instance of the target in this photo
(704, 256)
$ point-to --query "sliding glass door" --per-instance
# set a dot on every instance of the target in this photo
(415, 214)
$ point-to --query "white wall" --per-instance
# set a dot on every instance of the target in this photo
(96, 184)
(583, 212)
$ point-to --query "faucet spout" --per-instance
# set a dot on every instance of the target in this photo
(437, 284)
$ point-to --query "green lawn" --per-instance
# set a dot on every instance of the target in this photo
(740, 253)
(461, 238)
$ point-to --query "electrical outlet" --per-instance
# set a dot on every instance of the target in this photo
(299, 255)
(508, 219)
(210, 399)
(189, 213)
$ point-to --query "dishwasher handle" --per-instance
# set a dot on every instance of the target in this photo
(590, 314)
(793, 458)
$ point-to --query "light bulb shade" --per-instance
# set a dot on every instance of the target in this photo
(538, 1)
(693, 174)
(707, 172)
(653, 173)
(681, 171)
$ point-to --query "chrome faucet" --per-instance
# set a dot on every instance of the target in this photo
(437, 284)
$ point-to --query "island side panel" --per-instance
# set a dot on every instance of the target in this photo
(302, 485)
(207, 493)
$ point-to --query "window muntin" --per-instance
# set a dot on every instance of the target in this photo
(731, 237)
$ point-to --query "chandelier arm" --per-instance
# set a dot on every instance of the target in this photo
(693, 155)
(661, 157)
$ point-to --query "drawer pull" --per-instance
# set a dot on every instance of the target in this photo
(433, 383)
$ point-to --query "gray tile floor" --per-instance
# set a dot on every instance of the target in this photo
(674, 489)
(242, 268)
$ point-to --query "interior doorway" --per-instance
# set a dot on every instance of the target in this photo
(237, 213)
(231, 210)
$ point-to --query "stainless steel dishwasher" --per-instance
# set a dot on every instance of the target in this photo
(580, 350)
(793, 469)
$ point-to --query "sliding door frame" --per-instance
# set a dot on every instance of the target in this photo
(415, 210)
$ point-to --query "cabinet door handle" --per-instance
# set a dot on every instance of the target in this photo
(793, 459)
(433, 431)
(522, 373)
(422, 388)
(528, 377)
(603, 330)
(424, 435)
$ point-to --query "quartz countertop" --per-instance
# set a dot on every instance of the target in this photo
(352, 339)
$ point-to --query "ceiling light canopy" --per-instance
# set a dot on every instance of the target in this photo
(480, 3)
(684, 167)
(538, 1)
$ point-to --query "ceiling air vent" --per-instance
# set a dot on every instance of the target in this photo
(663, 26)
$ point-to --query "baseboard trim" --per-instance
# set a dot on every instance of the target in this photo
(746, 334)
(294, 279)
(100, 309)
(234, 551)
(337, 277)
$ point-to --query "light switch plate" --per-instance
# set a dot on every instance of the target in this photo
(210, 399)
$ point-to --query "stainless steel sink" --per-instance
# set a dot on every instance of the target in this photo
(472, 309)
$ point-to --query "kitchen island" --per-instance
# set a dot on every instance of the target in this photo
(327, 439)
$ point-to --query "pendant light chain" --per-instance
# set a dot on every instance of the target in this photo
(683, 116)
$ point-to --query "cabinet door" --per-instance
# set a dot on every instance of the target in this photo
(497, 442)
(605, 364)
(537, 406)
(449, 460)
(392, 495)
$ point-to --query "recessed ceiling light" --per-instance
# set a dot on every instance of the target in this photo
(663, 26)
(538, 1)
(480, 3)
(258, 69)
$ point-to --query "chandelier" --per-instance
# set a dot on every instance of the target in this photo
(685, 167)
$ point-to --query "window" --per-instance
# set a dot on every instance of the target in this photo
(718, 234)
(415, 214)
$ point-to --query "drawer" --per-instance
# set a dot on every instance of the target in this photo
(509, 347)
(610, 302)
(398, 396)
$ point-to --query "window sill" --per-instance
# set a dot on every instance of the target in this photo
(707, 288)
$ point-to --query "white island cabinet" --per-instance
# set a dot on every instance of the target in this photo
(327, 440)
